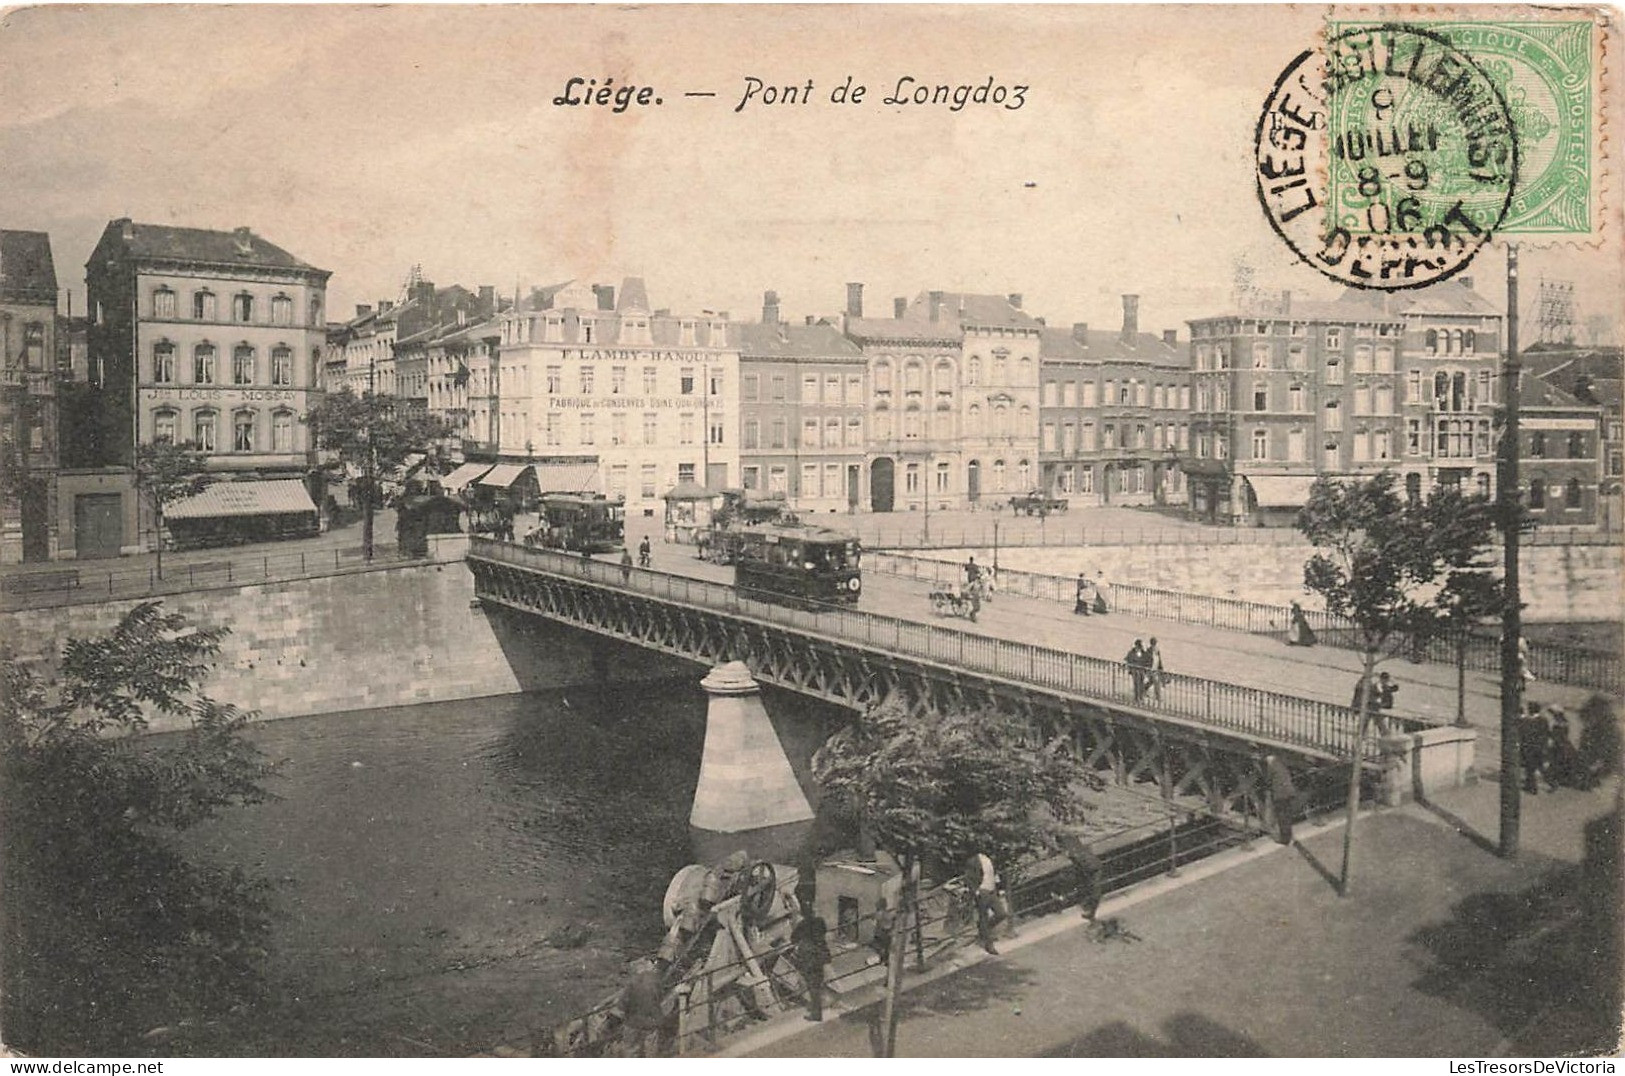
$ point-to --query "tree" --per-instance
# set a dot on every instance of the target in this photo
(936, 788)
(1402, 571)
(166, 472)
(372, 434)
(108, 928)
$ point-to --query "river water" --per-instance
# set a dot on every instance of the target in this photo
(452, 876)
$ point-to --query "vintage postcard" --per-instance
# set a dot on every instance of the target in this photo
(811, 531)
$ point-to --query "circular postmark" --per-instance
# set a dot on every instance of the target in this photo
(1386, 159)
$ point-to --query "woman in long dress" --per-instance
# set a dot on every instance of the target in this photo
(1298, 632)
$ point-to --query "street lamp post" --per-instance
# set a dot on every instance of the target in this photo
(1511, 626)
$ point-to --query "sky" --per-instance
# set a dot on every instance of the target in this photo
(365, 140)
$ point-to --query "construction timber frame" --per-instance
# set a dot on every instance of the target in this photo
(1198, 741)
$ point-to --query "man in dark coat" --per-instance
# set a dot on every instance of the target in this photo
(811, 954)
(1532, 736)
(1091, 873)
(1283, 797)
(1135, 660)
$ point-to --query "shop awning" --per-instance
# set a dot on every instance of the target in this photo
(503, 475)
(1281, 490)
(567, 477)
(282, 497)
(462, 476)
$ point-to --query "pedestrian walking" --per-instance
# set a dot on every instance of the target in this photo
(1091, 873)
(973, 573)
(810, 953)
(1155, 674)
(1298, 632)
(1135, 660)
(1103, 593)
(1084, 596)
(983, 882)
(1599, 741)
(1562, 760)
(626, 566)
(645, 558)
(1532, 736)
(885, 923)
(1524, 670)
(1283, 797)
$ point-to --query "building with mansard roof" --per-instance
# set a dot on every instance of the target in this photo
(592, 375)
(208, 337)
(28, 397)
(803, 411)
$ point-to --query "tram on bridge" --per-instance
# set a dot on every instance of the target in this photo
(581, 522)
(798, 565)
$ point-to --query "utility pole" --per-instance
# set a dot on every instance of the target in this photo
(1511, 626)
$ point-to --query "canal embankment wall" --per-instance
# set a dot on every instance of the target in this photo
(360, 640)
(1579, 583)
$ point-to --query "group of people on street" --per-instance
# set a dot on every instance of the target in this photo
(1144, 661)
(1548, 752)
(1093, 595)
(1382, 692)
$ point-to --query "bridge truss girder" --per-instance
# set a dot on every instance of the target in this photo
(1180, 761)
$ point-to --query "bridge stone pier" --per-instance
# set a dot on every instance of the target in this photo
(1198, 741)
(748, 798)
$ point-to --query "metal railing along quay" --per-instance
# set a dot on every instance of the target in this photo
(69, 584)
(1250, 712)
(1018, 531)
(1551, 662)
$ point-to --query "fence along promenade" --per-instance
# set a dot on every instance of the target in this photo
(1551, 662)
(69, 584)
(1318, 728)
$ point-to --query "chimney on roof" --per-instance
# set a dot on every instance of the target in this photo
(1170, 337)
(1131, 318)
(899, 307)
(126, 228)
(605, 294)
(363, 309)
(935, 298)
(1466, 281)
(1041, 321)
(1080, 332)
(1286, 302)
(244, 240)
(854, 300)
(386, 305)
(809, 319)
(770, 308)
(1015, 299)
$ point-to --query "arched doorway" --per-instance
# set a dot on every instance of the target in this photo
(882, 484)
(1108, 477)
(973, 481)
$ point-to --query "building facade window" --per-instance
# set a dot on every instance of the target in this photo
(1334, 417)
(203, 426)
(651, 376)
(1571, 495)
(617, 380)
(1537, 493)
(685, 381)
(646, 481)
(651, 427)
(242, 431)
(588, 378)
(281, 310)
(555, 380)
(1296, 446)
(163, 303)
(1576, 446)
(163, 427)
(281, 366)
(203, 364)
(282, 431)
(203, 305)
(163, 362)
(588, 421)
(1261, 445)
(750, 434)
(242, 365)
(242, 308)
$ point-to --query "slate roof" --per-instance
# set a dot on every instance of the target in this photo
(1105, 345)
(1446, 297)
(167, 242)
(784, 340)
(903, 329)
(633, 296)
(27, 273)
(969, 308)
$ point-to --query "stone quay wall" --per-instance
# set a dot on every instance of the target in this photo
(362, 640)
(1578, 583)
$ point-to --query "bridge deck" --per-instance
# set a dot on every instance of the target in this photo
(1219, 680)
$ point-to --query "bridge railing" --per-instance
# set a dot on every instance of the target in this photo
(1551, 662)
(1236, 708)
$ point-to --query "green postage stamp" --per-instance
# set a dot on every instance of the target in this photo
(1393, 152)
(1544, 72)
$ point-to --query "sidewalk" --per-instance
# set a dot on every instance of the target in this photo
(1443, 949)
